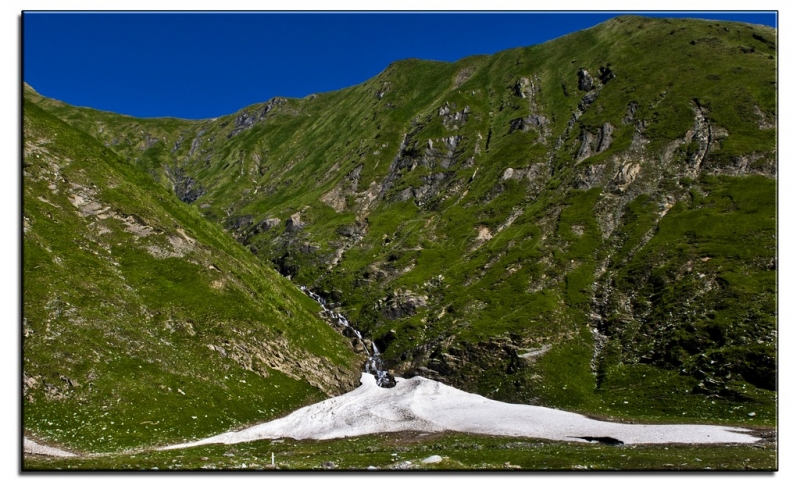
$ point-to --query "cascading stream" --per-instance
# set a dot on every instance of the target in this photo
(374, 363)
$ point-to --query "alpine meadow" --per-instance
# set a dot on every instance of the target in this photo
(588, 224)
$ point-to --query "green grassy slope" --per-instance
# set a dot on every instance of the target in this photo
(494, 224)
(142, 322)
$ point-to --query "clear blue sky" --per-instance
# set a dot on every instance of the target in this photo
(200, 65)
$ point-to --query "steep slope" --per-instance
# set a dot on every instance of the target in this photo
(142, 322)
(587, 223)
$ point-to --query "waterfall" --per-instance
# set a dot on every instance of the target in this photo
(374, 363)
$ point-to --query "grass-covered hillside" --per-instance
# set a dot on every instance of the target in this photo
(587, 223)
(143, 323)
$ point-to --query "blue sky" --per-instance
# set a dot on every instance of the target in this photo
(200, 65)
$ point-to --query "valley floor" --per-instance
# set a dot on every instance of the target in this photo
(428, 420)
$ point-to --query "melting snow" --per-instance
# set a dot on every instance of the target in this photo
(420, 404)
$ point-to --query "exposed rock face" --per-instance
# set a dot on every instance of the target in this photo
(699, 139)
(244, 228)
(385, 87)
(453, 118)
(196, 142)
(604, 139)
(436, 153)
(352, 230)
(585, 80)
(450, 143)
(590, 176)
(594, 143)
(749, 164)
(186, 188)
(401, 304)
(537, 121)
(337, 197)
(149, 142)
(267, 224)
(528, 123)
(463, 75)
(246, 120)
(468, 364)
(240, 222)
(532, 173)
(524, 88)
(626, 175)
(587, 100)
(294, 223)
(765, 121)
(630, 112)
(352, 234)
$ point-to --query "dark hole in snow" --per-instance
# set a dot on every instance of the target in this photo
(603, 440)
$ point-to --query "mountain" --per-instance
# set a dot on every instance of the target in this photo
(586, 224)
(142, 322)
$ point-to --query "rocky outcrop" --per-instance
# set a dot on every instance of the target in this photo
(401, 304)
(586, 101)
(453, 118)
(186, 188)
(524, 88)
(149, 142)
(384, 88)
(463, 75)
(294, 223)
(630, 112)
(699, 139)
(594, 142)
(244, 228)
(436, 153)
(590, 176)
(531, 122)
(266, 225)
(336, 198)
(196, 142)
(531, 173)
(248, 119)
(585, 80)
(237, 223)
(494, 363)
(352, 234)
(604, 138)
(536, 121)
(625, 175)
(765, 121)
(764, 164)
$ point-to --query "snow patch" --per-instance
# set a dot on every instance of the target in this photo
(423, 405)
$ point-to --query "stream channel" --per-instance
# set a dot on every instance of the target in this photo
(374, 363)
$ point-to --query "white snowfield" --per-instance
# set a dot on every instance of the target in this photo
(424, 405)
(31, 447)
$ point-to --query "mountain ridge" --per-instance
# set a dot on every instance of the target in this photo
(577, 224)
